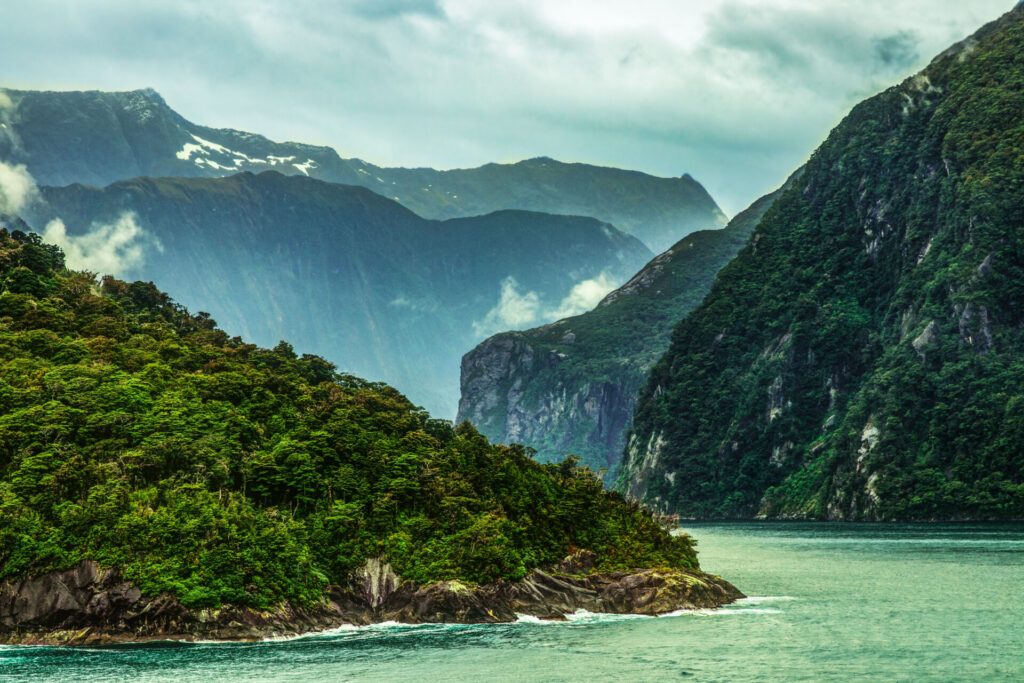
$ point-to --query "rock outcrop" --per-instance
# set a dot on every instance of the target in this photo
(89, 605)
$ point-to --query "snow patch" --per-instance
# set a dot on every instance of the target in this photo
(305, 167)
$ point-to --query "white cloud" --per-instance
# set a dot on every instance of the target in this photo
(17, 188)
(109, 249)
(514, 310)
(584, 296)
(518, 310)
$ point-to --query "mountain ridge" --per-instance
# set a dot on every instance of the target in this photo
(98, 138)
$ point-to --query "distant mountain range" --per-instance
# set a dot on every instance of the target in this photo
(571, 386)
(98, 138)
(346, 273)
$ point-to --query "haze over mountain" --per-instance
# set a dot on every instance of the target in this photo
(571, 386)
(341, 271)
(98, 138)
(863, 357)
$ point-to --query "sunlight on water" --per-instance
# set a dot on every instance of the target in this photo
(829, 602)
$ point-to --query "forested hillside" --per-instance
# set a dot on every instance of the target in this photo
(142, 437)
(863, 357)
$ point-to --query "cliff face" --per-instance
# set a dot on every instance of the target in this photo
(862, 357)
(89, 605)
(570, 387)
(505, 393)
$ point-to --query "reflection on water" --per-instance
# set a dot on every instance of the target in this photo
(830, 602)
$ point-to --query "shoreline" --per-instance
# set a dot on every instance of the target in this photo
(580, 616)
(88, 605)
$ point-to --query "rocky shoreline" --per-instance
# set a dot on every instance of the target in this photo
(89, 605)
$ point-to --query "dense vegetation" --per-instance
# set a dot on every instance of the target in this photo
(143, 437)
(571, 386)
(864, 356)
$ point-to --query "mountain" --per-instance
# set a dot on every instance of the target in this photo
(571, 386)
(863, 356)
(343, 272)
(161, 479)
(98, 138)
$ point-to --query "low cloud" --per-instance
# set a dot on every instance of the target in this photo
(584, 296)
(110, 249)
(417, 305)
(518, 310)
(514, 310)
(17, 188)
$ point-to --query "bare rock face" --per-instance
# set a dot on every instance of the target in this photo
(511, 393)
(85, 595)
(378, 581)
(89, 605)
(580, 562)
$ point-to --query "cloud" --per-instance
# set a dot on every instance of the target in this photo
(386, 9)
(514, 310)
(5, 101)
(518, 310)
(416, 304)
(106, 248)
(109, 249)
(17, 188)
(736, 92)
(584, 296)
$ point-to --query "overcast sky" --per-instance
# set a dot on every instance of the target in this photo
(735, 92)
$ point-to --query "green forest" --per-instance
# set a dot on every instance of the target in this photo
(862, 357)
(141, 436)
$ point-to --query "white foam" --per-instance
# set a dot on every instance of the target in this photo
(762, 599)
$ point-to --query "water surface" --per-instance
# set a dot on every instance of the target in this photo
(830, 602)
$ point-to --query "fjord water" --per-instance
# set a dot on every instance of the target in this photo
(830, 602)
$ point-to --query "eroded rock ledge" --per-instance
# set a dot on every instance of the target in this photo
(89, 605)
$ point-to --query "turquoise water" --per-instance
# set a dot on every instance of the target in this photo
(831, 602)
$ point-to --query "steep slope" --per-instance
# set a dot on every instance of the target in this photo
(570, 387)
(863, 357)
(98, 138)
(344, 272)
(164, 468)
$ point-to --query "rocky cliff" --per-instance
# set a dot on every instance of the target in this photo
(90, 605)
(863, 356)
(570, 387)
